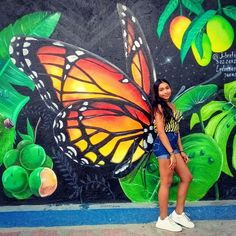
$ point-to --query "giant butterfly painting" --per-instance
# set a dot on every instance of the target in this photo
(103, 116)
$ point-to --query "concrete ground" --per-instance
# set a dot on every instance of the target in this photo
(203, 228)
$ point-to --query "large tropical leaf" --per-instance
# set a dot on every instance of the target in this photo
(194, 28)
(193, 6)
(205, 166)
(169, 9)
(222, 133)
(38, 24)
(230, 92)
(208, 110)
(11, 102)
(192, 99)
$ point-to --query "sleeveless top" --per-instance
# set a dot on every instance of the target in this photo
(173, 124)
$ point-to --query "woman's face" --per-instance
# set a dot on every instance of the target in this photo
(164, 91)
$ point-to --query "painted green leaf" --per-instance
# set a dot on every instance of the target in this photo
(193, 6)
(194, 97)
(208, 110)
(230, 11)
(11, 101)
(194, 28)
(39, 24)
(198, 41)
(25, 136)
(213, 123)
(7, 138)
(234, 153)
(205, 166)
(30, 130)
(222, 134)
(144, 185)
(11, 74)
(230, 92)
(169, 9)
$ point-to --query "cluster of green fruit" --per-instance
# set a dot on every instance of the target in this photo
(219, 36)
(28, 172)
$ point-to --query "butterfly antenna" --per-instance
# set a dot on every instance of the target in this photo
(36, 129)
(145, 169)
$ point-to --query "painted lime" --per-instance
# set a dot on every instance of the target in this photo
(220, 33)
(207, 52)
(15, 179)
(43, 182)
(178, 26)
(32, 156)
(11, 158)
(48, 162)
(25, 194)
(22, 144)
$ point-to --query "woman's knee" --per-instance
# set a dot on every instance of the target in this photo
(187, 178)
(166, 183)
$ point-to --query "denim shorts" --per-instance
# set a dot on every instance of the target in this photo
(160, 151)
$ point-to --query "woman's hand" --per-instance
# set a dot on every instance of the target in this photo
(172, 161)
(185, 157)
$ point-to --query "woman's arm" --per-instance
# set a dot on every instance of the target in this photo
(160, 128)
(183, 154)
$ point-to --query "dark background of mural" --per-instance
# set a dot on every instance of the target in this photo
(94, 25)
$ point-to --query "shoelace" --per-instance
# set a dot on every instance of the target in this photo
(171, 221)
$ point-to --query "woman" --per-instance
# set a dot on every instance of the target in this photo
(171, 157)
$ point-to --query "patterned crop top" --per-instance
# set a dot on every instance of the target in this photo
(173, 124)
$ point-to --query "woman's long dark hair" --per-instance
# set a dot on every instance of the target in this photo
(167, 111)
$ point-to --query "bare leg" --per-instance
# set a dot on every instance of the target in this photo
(166, 175)
(185, 177)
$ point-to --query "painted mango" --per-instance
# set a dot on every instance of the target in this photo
(178, 26)
(220, 33)
(207, 52)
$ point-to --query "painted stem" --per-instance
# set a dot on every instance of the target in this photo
(219, 6)
(201, 122)
(180, 8)
(217, 193)
(36, 129)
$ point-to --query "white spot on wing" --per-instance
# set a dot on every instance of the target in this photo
(72, 58)
(58, 44)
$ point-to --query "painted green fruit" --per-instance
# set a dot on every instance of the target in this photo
(43, 182)
(207, 52)
(15, 179)
(220, 33)
(48, 162)
(178, 26)
(32, 156)
(11, 158)
(25, 194)
(22, 144)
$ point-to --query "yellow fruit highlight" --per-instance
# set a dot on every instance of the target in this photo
(220, 33)
(207, 52)
(178, 26)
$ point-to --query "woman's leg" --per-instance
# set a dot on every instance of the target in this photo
(166, 175)
(183, 172)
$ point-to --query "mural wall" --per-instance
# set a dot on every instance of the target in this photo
(76, 93)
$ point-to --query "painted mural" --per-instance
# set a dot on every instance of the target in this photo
(76, 95)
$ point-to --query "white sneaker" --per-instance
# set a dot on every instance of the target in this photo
(182, 219)
(168, 224)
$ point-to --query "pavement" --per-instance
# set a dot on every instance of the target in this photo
(203, 228)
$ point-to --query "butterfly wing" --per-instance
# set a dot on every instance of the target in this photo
(101, 132)
(139, 61)
(72, 73)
